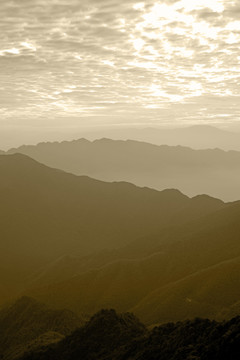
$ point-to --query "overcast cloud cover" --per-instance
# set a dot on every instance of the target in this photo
(70, 63)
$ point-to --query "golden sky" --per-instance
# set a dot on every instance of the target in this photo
(85, 63)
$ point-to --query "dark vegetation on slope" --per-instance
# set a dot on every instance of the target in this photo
(112, 336)
(28, 324)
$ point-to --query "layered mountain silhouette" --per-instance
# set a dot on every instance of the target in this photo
(52, 212)
(161, 254)
(112, 336)
(196, 136)
(46, 213)
(214, 172)
(28, 324)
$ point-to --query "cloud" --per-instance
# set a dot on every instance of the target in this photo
(134, 61)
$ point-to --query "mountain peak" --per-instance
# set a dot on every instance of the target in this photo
(110, 318)
(26, 301)
(106, 330)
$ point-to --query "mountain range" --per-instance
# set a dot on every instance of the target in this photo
(195, 136)
(52, 212)
(46, 213)
(213, 172)
(161, 254)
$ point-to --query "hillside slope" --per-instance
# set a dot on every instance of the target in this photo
(46, 213)
(177, 253)
(210, 293)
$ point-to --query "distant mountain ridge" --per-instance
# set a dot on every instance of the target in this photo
(195, 136)
(213, 172)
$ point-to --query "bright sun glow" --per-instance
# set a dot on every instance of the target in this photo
(13, 51)
(189, 5)
(28, 46)
(138, 44)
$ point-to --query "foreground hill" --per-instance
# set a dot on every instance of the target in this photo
(214, 172)
(30, 324)
(109, 335)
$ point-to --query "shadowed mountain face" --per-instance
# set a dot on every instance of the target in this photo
(46, 212)
(211, 293)
(31, 331)
(112, 336)
(212, 172)
(190, 270)
(29, 324)
(51, 212)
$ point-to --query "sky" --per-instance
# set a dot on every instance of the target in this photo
(68, 64)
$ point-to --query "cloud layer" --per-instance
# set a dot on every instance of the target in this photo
(69, 63)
